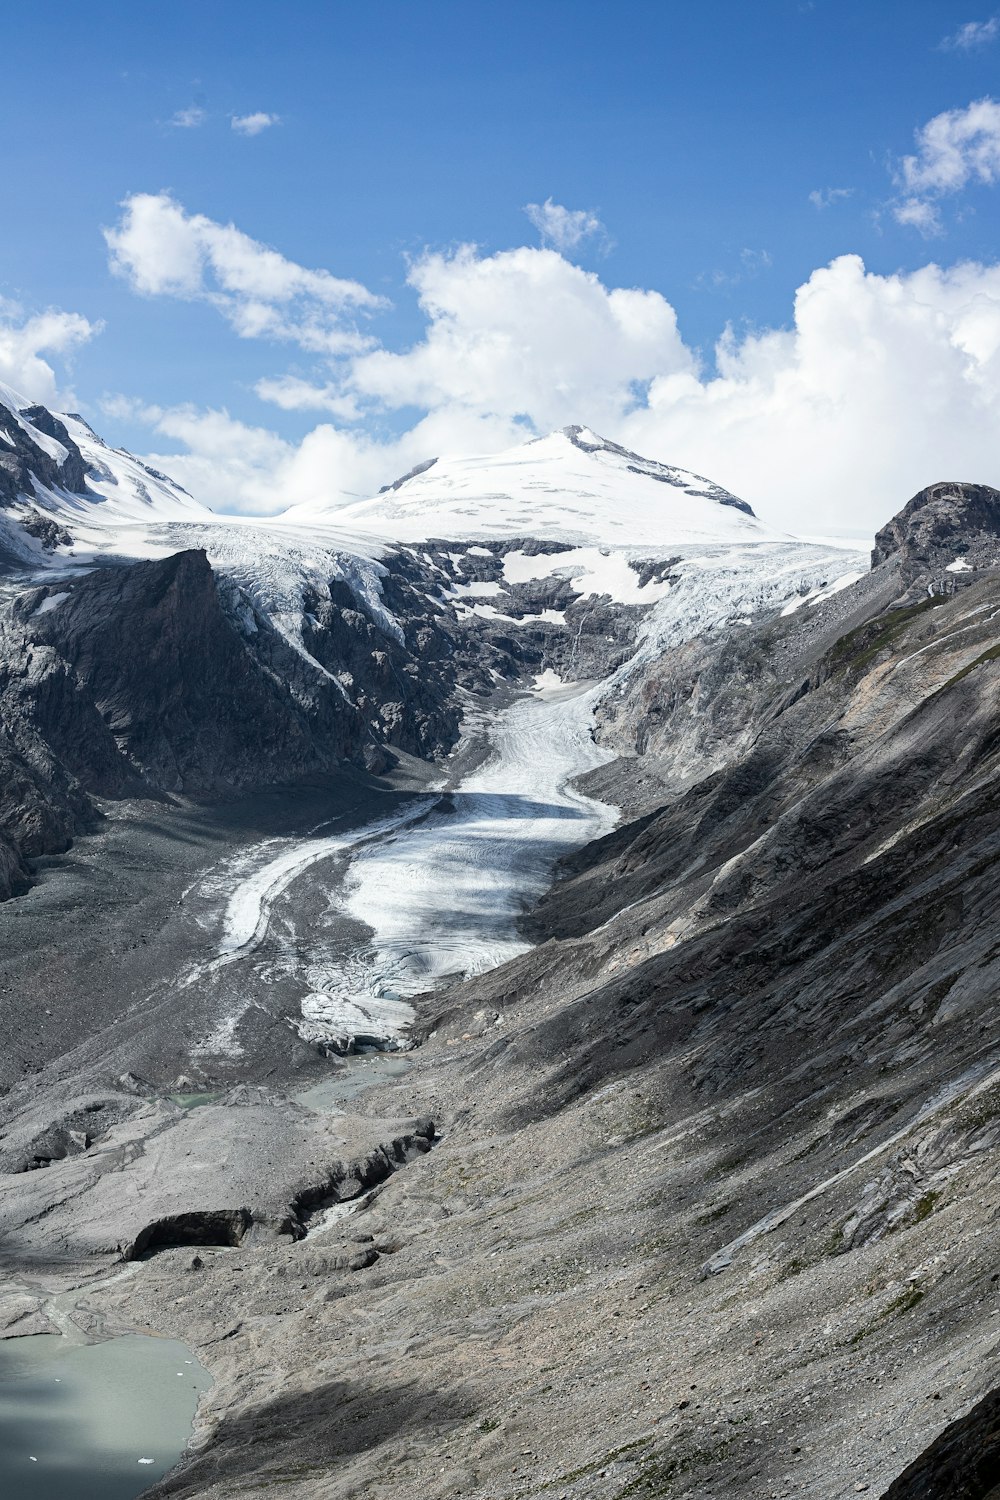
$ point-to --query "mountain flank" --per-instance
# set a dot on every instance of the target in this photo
(714, 1155)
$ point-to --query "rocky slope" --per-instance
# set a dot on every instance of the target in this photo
(718, 1153)
(713, 1159)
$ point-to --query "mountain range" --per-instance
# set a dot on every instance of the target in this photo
(672, 1175)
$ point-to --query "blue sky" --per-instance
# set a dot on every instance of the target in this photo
(699, 145)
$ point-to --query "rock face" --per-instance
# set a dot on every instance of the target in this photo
(134, 682)
(25, 456)
(188, 706)
(942, 525)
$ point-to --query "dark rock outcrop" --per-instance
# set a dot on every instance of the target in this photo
(46, 530)
(942, 523)
(962, 1464)
(23, 460)
(188, 705)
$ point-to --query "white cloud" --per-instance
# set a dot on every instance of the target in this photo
(233, 466)
(972, 35)
(524, 331)
(884, 384)
(750, 264)
(918, 213)
(190, 118)
(253, 124)
(162, 250)
(954, 149)
(292, 393)
(880, 385)
(563, 228)
(23, 342)
(827, 197)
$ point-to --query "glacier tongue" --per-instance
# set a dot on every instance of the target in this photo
(443, 893)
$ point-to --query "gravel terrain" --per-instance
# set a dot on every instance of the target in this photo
(696, 1196)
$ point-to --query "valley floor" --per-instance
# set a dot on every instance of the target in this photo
(693, 1198)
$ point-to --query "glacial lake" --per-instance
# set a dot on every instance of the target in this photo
(77, 1419)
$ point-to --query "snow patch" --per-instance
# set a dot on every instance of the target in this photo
(547, 682)
(479, 590)
(593, 571)
(818, 595)
(50, 602)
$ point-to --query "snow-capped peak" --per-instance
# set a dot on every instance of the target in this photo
(570, 486)
(56, 462)
(125, 488)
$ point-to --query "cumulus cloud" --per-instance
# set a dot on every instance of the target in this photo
(878, 386)
(24, 341)
(292, 393)
(253, 124)
(162, 250)
(563, 228)
(954, 149)
(883, 384)
(972, 36)
(235, 466)
(524, 331)
(190, 118)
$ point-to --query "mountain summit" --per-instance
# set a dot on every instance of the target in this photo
(59, 462)
(571, 486)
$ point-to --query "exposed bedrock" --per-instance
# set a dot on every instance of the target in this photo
(189, 706)
(942, 525)
(25, 456)
(254, 1168)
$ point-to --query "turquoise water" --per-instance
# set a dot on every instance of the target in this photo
(357, 1072)
(194, 1101)
(75, 1421)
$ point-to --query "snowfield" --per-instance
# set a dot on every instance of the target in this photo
(570, 486)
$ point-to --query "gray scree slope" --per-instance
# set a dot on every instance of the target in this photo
(710, 1209)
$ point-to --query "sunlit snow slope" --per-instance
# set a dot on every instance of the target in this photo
(571, 486)
(124, 489)
(605, 506)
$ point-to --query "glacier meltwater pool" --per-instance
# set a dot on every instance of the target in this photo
(93, 1421)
